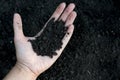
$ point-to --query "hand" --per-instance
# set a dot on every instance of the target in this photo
(26, 57)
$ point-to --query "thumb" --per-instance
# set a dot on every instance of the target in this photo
(17, 26)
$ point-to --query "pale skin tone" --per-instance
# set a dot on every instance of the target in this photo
(29, 65)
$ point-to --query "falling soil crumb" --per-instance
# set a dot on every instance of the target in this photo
(50, 40)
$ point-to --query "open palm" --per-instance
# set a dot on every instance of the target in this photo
(24, 51)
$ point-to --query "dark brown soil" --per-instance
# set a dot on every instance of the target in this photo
(93, 52)
(50, 39)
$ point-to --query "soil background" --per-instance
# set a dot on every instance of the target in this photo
(93, 52)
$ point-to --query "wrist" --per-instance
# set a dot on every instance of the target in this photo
(20, 72)
(25, 71)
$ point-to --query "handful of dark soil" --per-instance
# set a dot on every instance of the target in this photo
(50, 39)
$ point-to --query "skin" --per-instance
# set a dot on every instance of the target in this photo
(29, 68)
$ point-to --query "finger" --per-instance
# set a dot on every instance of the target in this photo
(31, 38)
(58, 11)
(55, 15)
(17, 25)
(67, 11)
(71, 18)
(65, 41)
